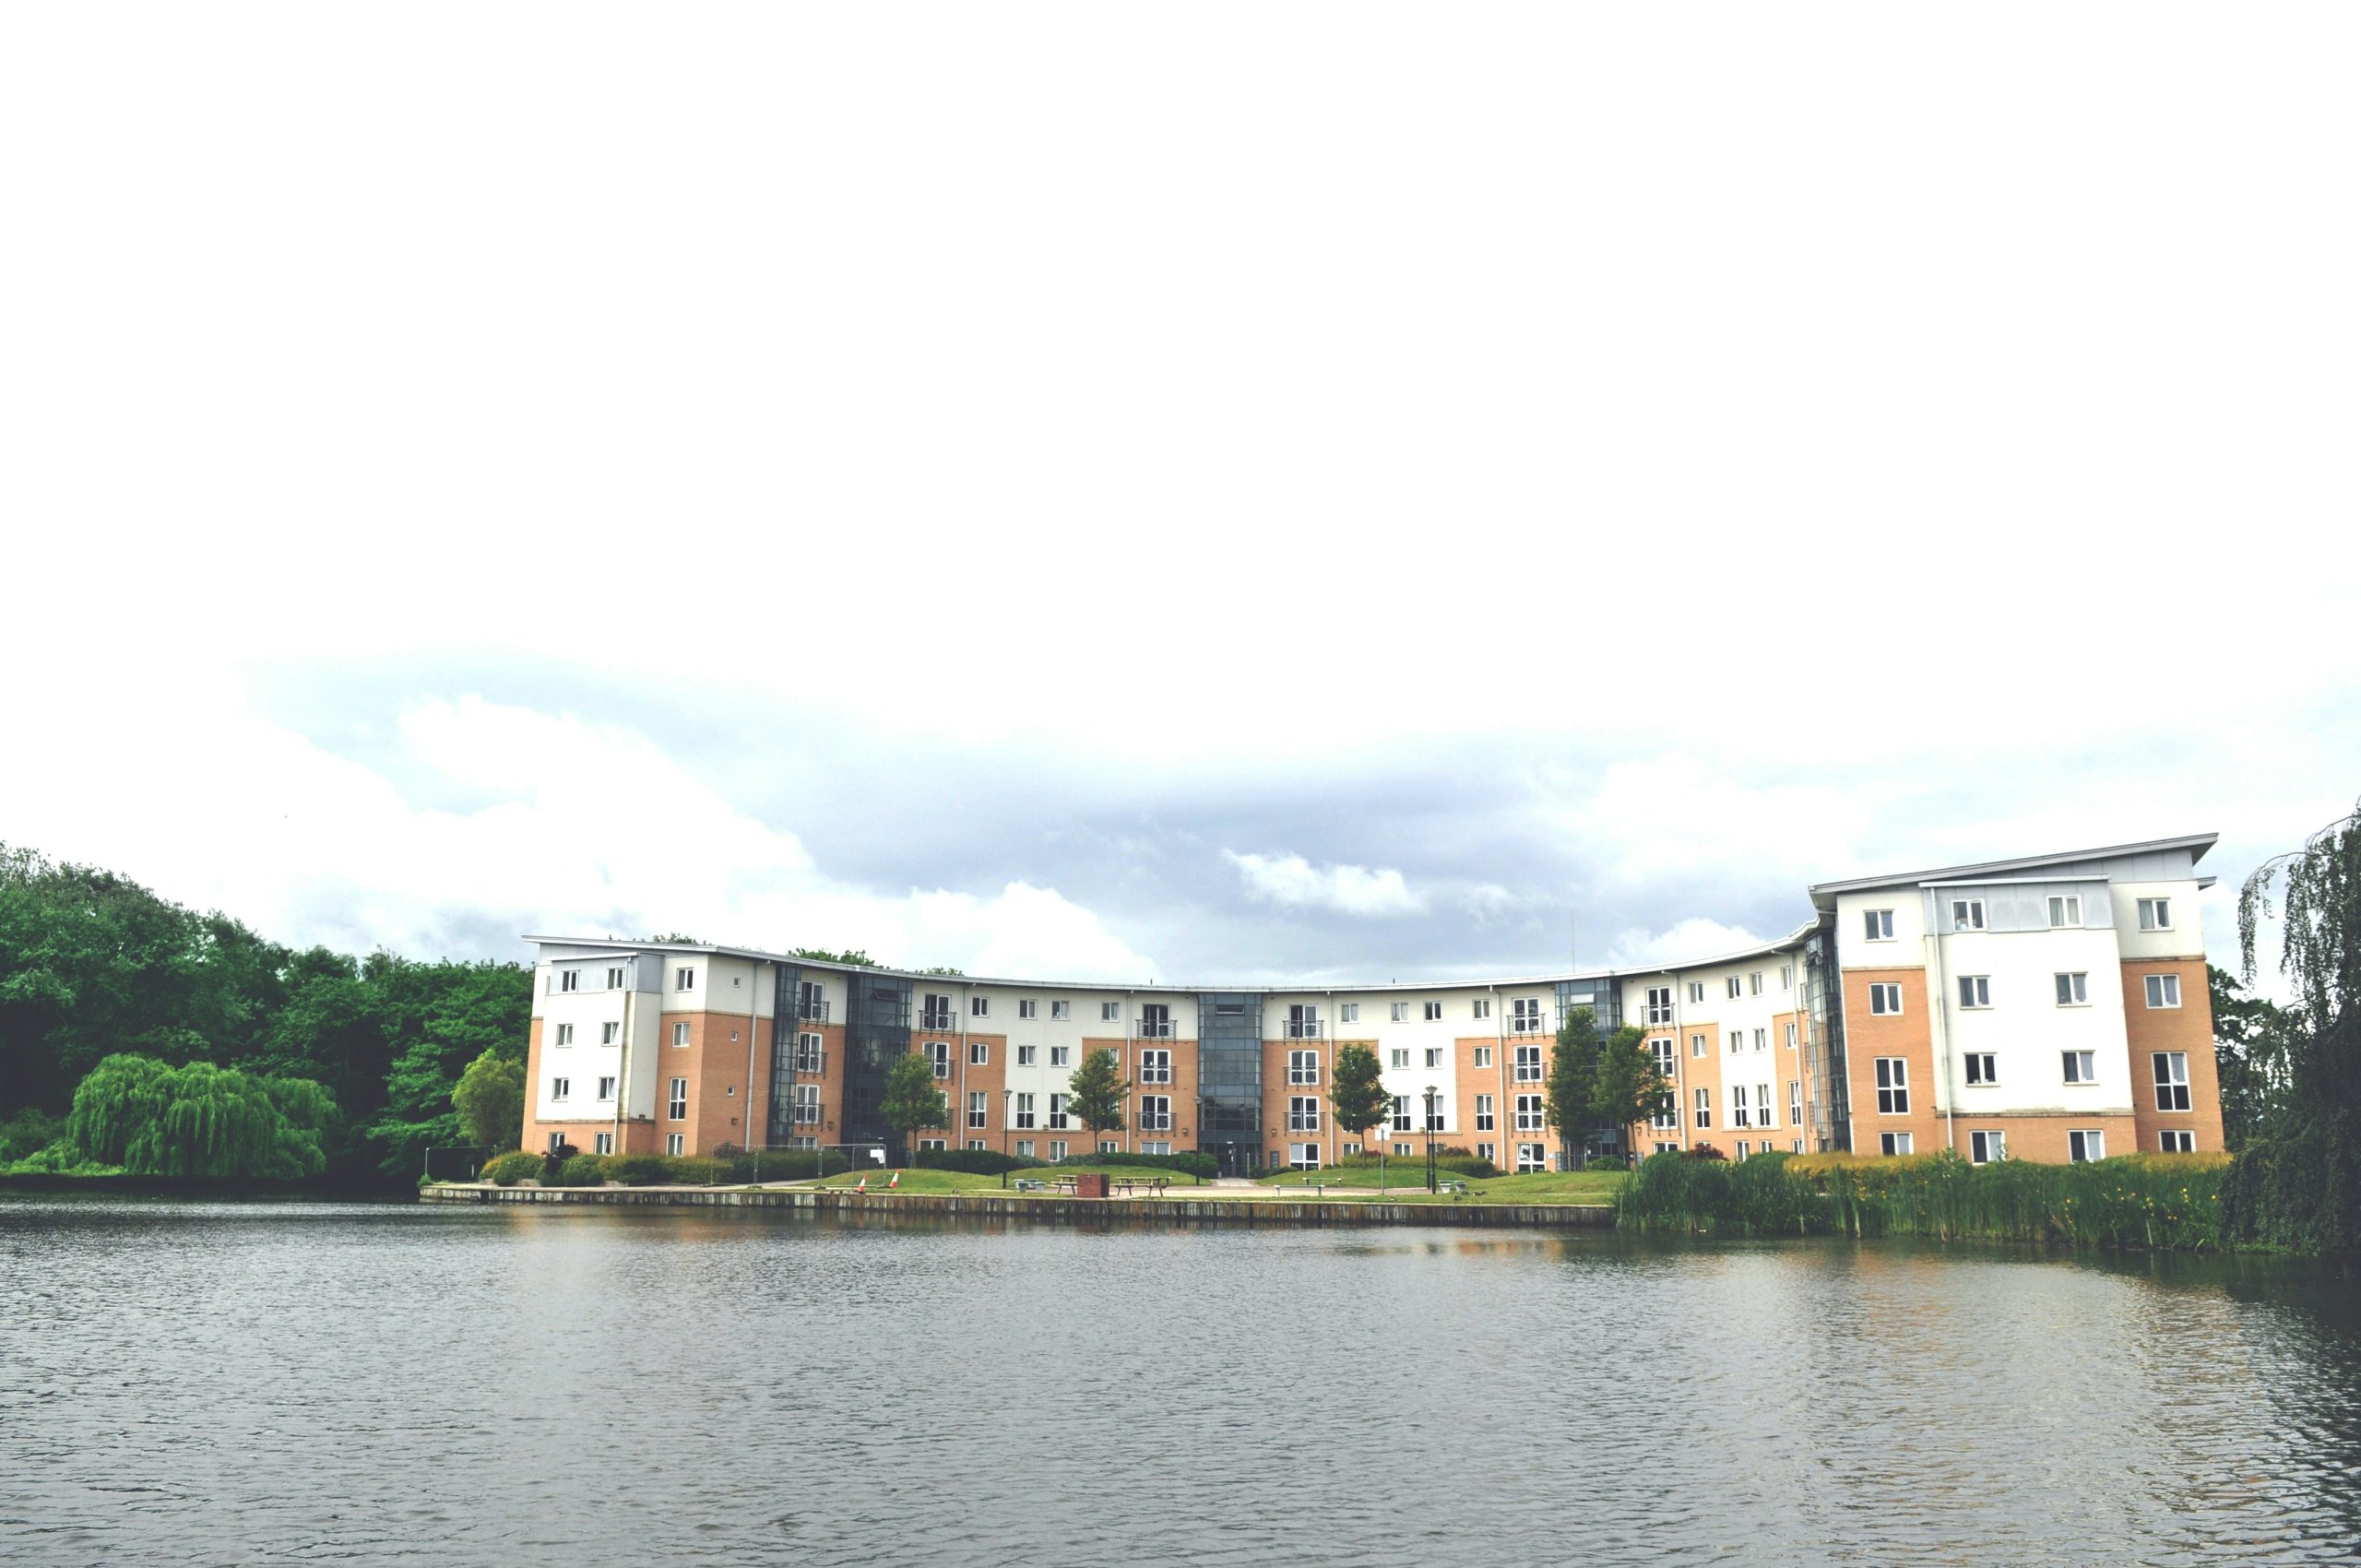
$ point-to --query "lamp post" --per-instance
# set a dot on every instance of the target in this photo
(1003, 1138)
(1431, 1138)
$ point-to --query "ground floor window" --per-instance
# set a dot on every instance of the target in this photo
(1156, 1146)
(1742, 1149)
(803, 1143)
(1352, 1149)
(2082, 1146)
(931, 1143)
(1489, 1152)
(1304, 1156)
(557, 1142)
(1985, 1148)
(1025, 1149)
(807, 1105)
(1532, 1157)
(1894, 1142)
(2179, 1140)
(675, 1143)
(1057, 1148)
(979, 1145)
(1404, 1151)
(603, 1144)
(1108, 1146)
(1795, 1145)
(1668, 1148)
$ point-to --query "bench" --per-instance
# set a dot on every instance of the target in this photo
(1458, 1189)
(1026, 1185)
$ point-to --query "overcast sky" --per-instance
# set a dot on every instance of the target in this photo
(1229, 492)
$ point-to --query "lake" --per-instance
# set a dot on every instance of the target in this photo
(327, 1383)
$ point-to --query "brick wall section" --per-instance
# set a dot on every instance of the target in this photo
(1909, 1036)
(2188, 1027)
(2043, 1136)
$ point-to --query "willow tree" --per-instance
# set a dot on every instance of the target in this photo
(2298, 1184)
(199, 1119)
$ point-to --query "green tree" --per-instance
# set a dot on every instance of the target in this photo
(489, 1100)
(1357, 1095)
(1626, 1086)
(1569, 1096)
(912, 1101)
(199, 1119)
(1094, 1097)
(849, 955)
(2252, 1037)
(2297, 1182)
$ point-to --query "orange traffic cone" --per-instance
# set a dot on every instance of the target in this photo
(893, 1180)
(861, 1185)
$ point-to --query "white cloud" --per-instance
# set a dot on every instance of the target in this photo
(1685, 942)
(1347, 890)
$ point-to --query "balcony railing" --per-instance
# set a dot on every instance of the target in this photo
(938, 1021)
(1526, 1024)
(1153, 1029)
(812, 1064)
(1303, 1121)
(1152, 1122)
(1304, 1029)
(1156, 1075)
(813, 1012)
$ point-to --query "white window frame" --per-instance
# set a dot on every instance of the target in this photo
(1967, 914)
(561, 1089)
(939, 1052)
(1987, 1145)
(1401, 1011)
(1895, 1144)
(1434, 1057)
(1754, 983)
(1348, 1012)
(1060, 1011)
(1482, 1007)
(2065, 911)
(604, 1143)
(680, 1033)
(1061, 1055)
(1659, 1008)
(676, 1100)
(1696, 1045)
(1704, 1109)
(2170, 1071)
(1892, 1075)
(1983, 1068)
(685, 979)
(1532, 1157)
(676, 1144)
(1530, 1113)
(1696, 992)
(1434, 1011)
(1058, 1118)
(1791, 1034)
(1155, 1065)
(1483, 1056)
(610, 1032)
(2177, 1140)
(2163, 991)
(978, 1110)
(1024, 1112)
(1484, 1122)
(614, 979)
(1878, 925)
(1398, 1057)
(979, 1006)
(1027, 1006)
(1741, 1111)
(565, 1034)
(2084, 1145)
(1110, 1012)
(1527, 1068)
(980, 1053)
(805, 1105)
(2078, 1066)
(1025, 1055)
(1974, 992)
(1303, 1067)
(1885, 999)
(1303, 1113)
(1731, 981)
(2073, 987)
(2155, 914)
(606, 1089)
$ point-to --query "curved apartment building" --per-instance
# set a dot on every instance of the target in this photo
(2050, 1007)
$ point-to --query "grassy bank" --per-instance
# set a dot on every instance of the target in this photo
(2142, 1200)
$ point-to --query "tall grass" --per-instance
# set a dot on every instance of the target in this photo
(2142, 1200)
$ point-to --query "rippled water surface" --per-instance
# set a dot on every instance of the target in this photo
(201, 1383)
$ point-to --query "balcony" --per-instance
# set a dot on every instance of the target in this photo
(1526, 1024)
(938, 1022)
(1152, 1121)
(1160, 1074)
(1304, 1029)
(1151, 1029)
(812, 1064)
(813, 1012)
(1303, 1121)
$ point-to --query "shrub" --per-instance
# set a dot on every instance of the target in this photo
(509, 1169)
(667, 1170)
(973, 1161)
(785, 1165)
(583, 1171)
(637, 1169)
(1189, 1164)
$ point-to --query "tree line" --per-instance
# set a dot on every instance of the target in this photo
(225, 1052)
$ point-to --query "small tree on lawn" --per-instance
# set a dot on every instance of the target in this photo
(1355, 1097)
(1628, 1087)
(489, 1100)
(1569, 1100)
(912, 1102)
(1094, 1097)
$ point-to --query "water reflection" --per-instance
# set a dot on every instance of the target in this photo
(195, 1384)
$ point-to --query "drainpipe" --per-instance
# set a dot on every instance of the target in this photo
(746, 1111)
(623, 1062)
(959, 1111)
(1938, 1018)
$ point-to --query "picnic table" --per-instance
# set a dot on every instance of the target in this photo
(1155, 1184)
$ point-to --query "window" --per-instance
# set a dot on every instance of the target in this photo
(567, 980)
(1741, 1148)
(934, 1012)
(1108, 1146)
(680, 1033)
(1156, 1113)
(1879, 923)
(1434, 1011)
(1796, 1106)
(979, 1006)
(1483, 1113)
(978, 1146)
(809, 1057)
(1981, 1068)
(1762, 1104)
(1482, 1007)
(1057, 1112)
(1983, 1148)
(1024, 1112)
(1696, 991)
(1109, 1011)
(1025, 1055)
(1303, 1113)
(2172, 1079)
(610, 1032)
(685, 979)
(676, 1101)
(1401, 1011)
(614, 979)
(976, 1112)
(1754, 983)
(1348, 1012)
(1401, 1114)
(1061, 1055)
(1763, 1040)
(603, 1144)
(980, 1053)
(1483, 1056)
(1156, 1066)
(2084, 1146)
(939, 1052)
(1738, 1042)
(1894, 1086)
(1967, 914)
(1399, 1056)
(675, 1143)
(2080, 1066)
(1732, 984)
(1434, 1056)
(2155, 914)
(1531, 1157)
(1976, 991)
(1528, 1063)
(1061, 1011)
(1026, 1006)
(1025, 1149)
(1791, 1036)
(2178, 1140)
(1788, 982)
(1057, 1146)
(561, 1088)
(1528, 1113)
(1304, 1156)
(1486, 1152)
(2074, 990)
(1885, 997)
(1404, 1151)
(1894, 1142)
(1705, 1108)
(2164, 990)
(1660, 1005)
(1740, 1116)
(1525, 1016)
(565, 1034)
(1696, 1045)
(807, 1105)
(606, 1088)
(1303, 1066)
(1304, 1022)
(2064, 909)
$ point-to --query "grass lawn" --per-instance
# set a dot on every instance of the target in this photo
(1180, 1179)
(1541, 1187)
(914, 1181)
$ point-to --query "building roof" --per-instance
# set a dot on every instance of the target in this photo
(1823, 893)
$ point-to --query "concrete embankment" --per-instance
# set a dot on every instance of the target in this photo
(1054, 1211)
